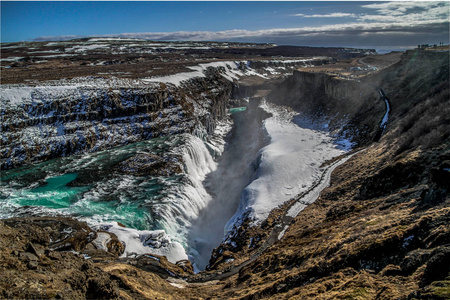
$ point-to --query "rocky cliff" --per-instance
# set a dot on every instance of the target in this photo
(55, 120)
(349, 107)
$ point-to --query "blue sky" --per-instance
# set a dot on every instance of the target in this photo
(353, 24)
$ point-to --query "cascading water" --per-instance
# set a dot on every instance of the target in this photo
(184, 201)
(235, 170)
(94, 188)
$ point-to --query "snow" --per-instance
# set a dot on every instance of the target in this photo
(83, 48)
(112, 39)
(17, 95)
(293, 61)
(231, 72)
(407, 240)
(138, 242)
(288, 166)
(16, 58)
(198, 71)
(102, 240)
(386, 115)
(58, 55)
(281, 234)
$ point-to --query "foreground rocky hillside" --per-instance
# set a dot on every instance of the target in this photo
(379, 231)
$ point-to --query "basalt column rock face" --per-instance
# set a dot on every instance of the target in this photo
(45, 122)
(353, 108)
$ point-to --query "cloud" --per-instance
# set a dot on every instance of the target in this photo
(332, 15)
(401, 8)
(349, 34)
(392, 23)
(406, 12)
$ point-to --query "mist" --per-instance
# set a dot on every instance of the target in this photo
(235, 170)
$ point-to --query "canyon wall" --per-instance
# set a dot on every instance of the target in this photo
(352, 108)
(64, 120)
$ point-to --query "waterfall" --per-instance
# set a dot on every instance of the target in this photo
(184, 202)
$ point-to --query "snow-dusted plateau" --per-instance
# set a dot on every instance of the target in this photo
(183, 157)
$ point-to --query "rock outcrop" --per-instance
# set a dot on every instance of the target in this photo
(61, 258)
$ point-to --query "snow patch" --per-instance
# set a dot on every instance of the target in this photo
(15, 58)
(138, 242)
(83, 48)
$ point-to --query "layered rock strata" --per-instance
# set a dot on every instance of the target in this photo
(56, 121)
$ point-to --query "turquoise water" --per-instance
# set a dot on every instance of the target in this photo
(54, 194)
(237, 109)
(90, 187)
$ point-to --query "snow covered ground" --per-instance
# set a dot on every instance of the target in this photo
(139, 242)
(230, 70)
(288, 166)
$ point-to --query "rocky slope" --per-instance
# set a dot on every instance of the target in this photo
(380, 231)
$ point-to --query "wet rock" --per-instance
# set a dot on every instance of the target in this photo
(145, 164)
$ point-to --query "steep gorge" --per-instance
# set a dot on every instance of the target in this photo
(380, 231)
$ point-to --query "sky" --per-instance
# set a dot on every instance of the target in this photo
(367, 24)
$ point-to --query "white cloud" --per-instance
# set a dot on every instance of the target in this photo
(354, 28)
(431, 12)
(402, 7)
(332, 15)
